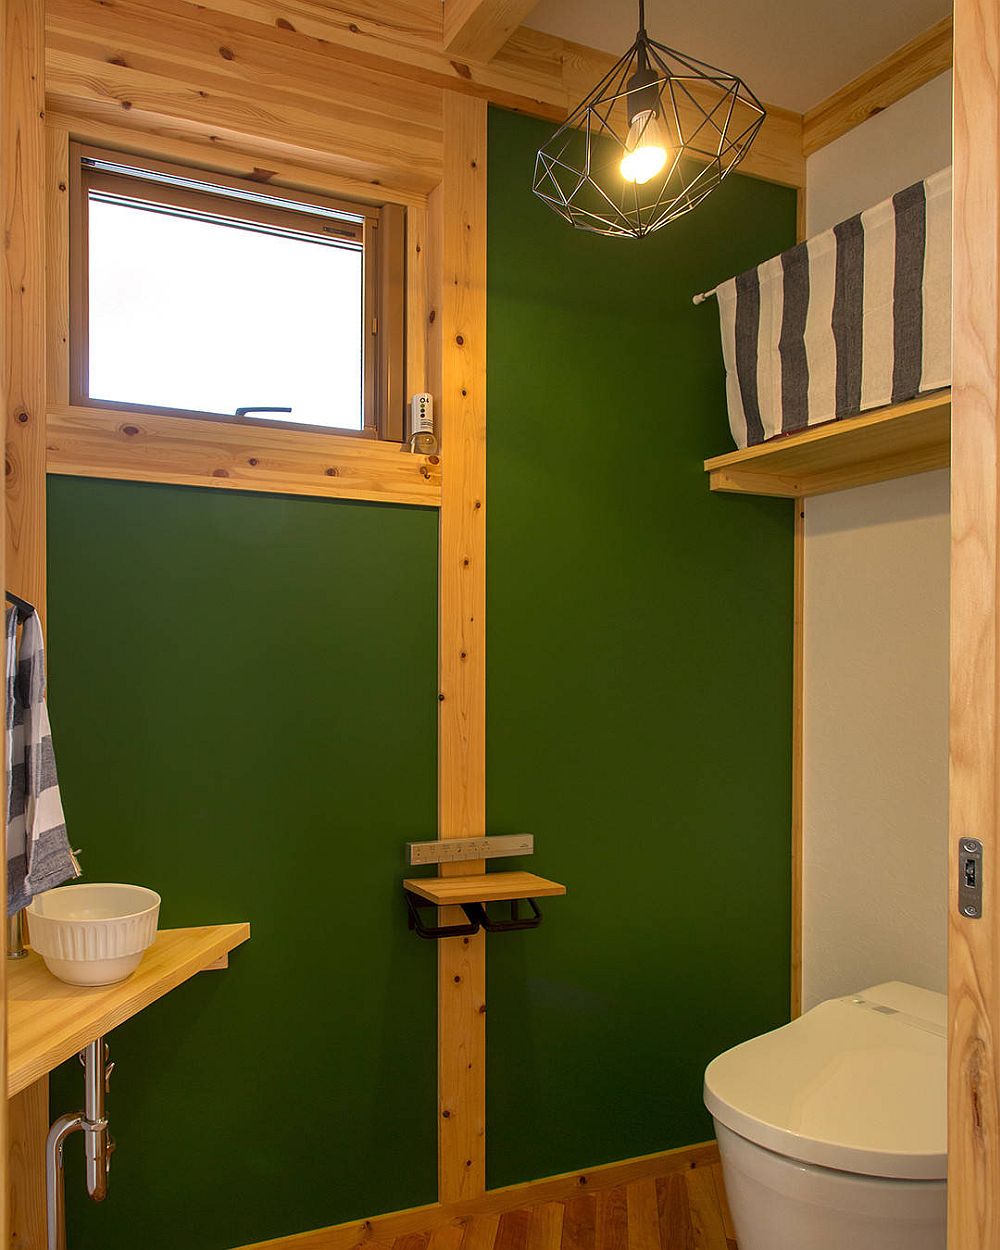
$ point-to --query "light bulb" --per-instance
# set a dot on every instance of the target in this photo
(645, 148)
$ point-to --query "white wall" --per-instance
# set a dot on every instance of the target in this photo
(876, 652)
(890, 151)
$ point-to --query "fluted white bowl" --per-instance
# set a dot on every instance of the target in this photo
(93, 934)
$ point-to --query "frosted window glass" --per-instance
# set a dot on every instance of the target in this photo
(211, 317)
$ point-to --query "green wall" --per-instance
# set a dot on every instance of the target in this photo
(639, 661)
(243, 693)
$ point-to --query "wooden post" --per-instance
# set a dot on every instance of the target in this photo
(22, 319)
(458, 370)
(974, 944)
(22, 155)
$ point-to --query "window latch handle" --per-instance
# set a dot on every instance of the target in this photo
(242, 412)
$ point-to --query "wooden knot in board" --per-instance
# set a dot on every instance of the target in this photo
(220, 473)
(459, 340)
(332, 472)
(126, 104)
(129, 430)
(283, 23)
(461, 69)
(445, 1115)
(227, 54)
(433, 459)
(354, 28)
(23, 417)
(253, 461)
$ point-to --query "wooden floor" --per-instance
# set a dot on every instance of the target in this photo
(681, 1211)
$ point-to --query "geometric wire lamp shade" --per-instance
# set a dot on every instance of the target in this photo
(656, 135)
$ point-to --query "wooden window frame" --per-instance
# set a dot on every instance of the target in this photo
(379, 230)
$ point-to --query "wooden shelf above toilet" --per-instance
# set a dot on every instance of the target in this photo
(914, 437)
(49, 1021)
(484, 887)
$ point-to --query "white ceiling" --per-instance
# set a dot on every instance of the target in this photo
(792, 53)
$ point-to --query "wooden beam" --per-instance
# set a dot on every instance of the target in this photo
(974, 944)
(479, 28)
(22, 158)
(913, 65)
(460, 363)
(151, 447)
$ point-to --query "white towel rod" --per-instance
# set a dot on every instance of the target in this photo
(700, 299)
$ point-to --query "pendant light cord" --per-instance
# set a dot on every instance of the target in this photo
(642, 17)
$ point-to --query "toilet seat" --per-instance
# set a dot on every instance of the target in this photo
(857, 1084)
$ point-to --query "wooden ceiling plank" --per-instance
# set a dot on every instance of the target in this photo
(913, 65)
(480, 28)
(252, 62)
(76, 87)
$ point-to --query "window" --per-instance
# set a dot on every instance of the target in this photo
(208, 296)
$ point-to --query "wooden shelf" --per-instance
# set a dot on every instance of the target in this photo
(485, 887)
(914, 437)
(49, 1021)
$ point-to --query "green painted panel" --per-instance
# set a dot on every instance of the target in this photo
(243, 694)
(639, 690)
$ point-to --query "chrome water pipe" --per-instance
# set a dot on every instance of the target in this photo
(15, 936)
(92, 1122)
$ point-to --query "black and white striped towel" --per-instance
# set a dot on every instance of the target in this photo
(38, 852)
(853, 319)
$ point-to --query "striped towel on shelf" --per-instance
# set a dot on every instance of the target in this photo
(853, 319)
(38, 852)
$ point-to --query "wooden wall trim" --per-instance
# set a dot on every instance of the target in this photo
(150, 447)
(798, 645)
(480, 28)
(460, 363)
(381, 1230)
(913, 65)
(22, 158)
(974, 944)
(22, 187)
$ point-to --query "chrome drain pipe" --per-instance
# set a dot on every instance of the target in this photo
(97, 1146)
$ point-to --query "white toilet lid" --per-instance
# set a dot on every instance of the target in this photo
(857, 1084)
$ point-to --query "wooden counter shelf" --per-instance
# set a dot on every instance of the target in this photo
(485, 887)
(49, 1021)
(914, 437)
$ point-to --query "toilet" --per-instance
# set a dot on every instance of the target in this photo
(833, 1129)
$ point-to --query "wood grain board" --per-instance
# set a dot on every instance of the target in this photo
(50, 1021)
(480, 28)
(356, 94)
(151, 447)
(913, 437)
(974, 944)
(674, 1200)
(482, 887)
(23, 162)
(458, 380)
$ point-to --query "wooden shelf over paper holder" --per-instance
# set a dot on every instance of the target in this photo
(472, 894)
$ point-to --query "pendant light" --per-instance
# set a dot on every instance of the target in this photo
(656, 135)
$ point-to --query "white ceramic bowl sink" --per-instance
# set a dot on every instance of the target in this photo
(93, 934)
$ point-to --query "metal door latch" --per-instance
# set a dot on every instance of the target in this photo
(970, 877)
